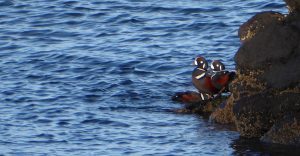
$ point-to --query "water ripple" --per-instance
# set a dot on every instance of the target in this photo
(96, 77)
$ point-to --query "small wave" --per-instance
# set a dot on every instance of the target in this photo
(162, 67)
(143, 39)
(43, 121)
(6, 3)
(105, 122)
(37, 77)
(91, 98)
(60, 57)
(44, 135)
(131, 21)
(143, 72)
(26, 116)
(188, 11)
(72, 14)
(132, 108)
(22, 12)
(273, 5)
(8, 93)
(46, 142)
(97, 15)
(161, 9)
(45, 15)
(70, 3)
(83, 9)
(126, 82)
(64, 34)
(105, 34)
(117, 18)
(63, 123)
(3, 16)
(204, 25)
(11, 47)
(98, 121)
(72, 23)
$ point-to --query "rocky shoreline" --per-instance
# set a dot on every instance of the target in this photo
(265, 99)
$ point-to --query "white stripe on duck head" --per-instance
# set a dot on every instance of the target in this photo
(201, 62)
(217, 66)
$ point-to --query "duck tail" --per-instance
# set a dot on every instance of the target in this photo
(187, 97)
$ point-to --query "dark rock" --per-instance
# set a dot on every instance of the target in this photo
(246, 85)
(275, 45)
(285, 131)
(256, 114)
(201, 109)
(267, 87)
(284, 74)
(293, 5)
(257, 23)
(204, 108)
(224, 115)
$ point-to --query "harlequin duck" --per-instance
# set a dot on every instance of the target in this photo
(201, 79)
(220, 78)
(208, 83)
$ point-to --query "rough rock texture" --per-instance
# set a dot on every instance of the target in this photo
(256, 114)
(293, 5)
(274, 52)
(204, 108)
(285, 131)
(224, 115)
(267, 89)
(258, 23)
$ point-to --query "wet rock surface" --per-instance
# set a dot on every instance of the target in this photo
(267, 88)
(256, 114)
(224, 114)
(285, 131)
(258, 23)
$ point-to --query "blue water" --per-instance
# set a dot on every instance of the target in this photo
(95, 77)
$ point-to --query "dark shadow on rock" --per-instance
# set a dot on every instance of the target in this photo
(284, 131)
(253, 146)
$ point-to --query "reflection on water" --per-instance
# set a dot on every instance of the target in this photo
(245, 146)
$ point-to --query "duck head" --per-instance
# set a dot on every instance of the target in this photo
(217, 66)
(201, 62)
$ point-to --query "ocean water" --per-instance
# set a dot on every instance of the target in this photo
(96, 77)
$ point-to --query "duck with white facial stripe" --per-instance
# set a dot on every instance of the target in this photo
(209, 83)
(200, 77)
(220, 77)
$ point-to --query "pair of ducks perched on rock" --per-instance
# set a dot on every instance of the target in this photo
(209, 82)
